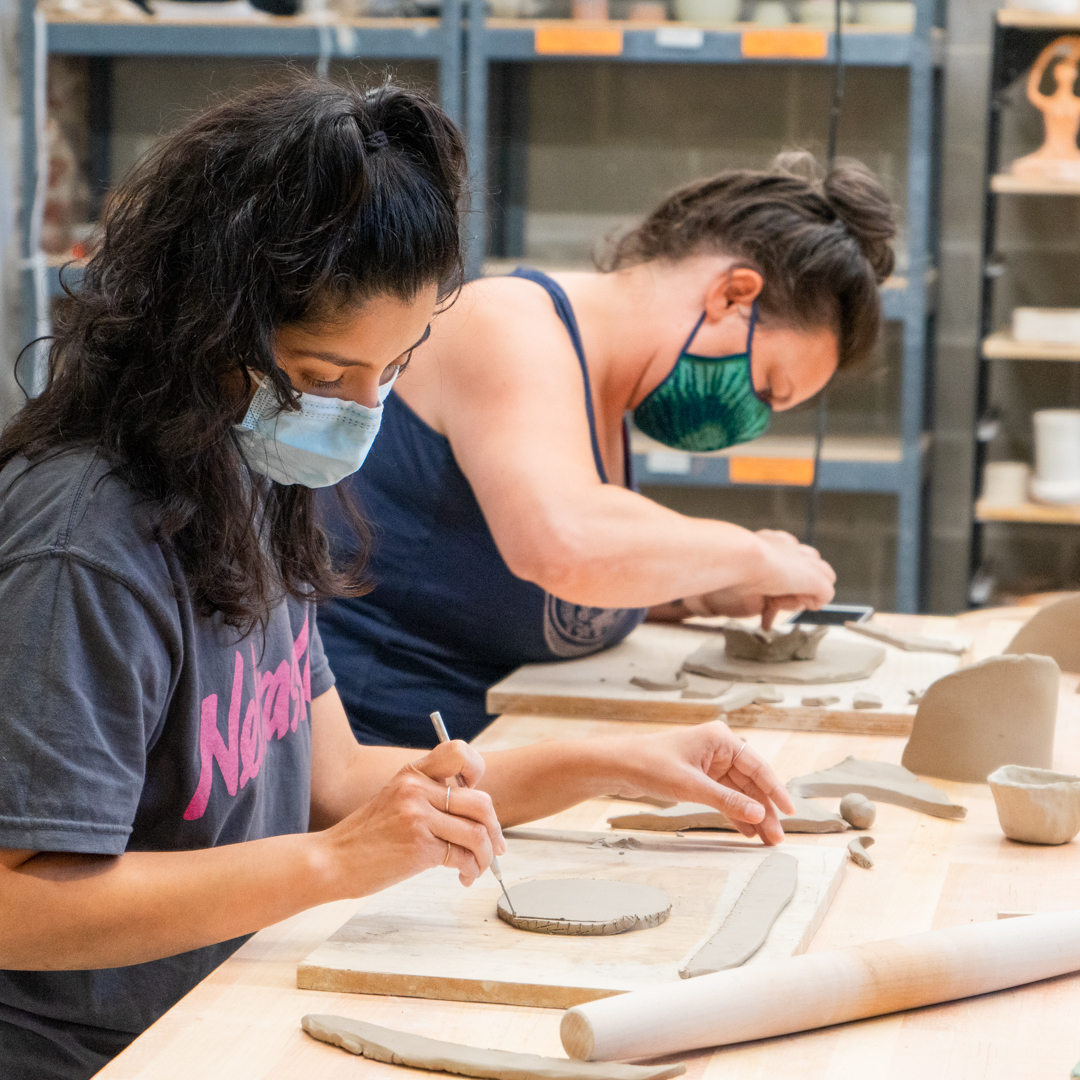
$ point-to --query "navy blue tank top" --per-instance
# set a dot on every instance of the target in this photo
(447, 618)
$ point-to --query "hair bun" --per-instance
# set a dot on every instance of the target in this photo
(860, 201)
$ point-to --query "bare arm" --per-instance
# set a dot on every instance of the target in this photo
(511, 403)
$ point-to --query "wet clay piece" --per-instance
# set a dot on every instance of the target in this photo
(865, 700)
(838, 660)
(858, 811)
(676, 682)
(998, 712)
(744, 931)
(880, 781)
(773, 646)
(857, 850)
(704, 695)
(820, 701)
(1052, 631)
(808, 818)
(415, 1051)
(579, 906)
(1036, 806)
(768, 695)
(909, 642)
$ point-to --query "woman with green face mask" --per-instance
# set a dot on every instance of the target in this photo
(506, 527)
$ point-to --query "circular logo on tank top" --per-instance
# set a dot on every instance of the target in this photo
(575, 630)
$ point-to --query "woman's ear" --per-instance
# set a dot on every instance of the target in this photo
(738, 286)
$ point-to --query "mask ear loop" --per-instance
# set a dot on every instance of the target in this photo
(750, 354)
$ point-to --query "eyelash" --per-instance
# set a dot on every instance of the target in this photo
(323, 384)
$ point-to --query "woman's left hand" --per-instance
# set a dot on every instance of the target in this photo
(706, 764)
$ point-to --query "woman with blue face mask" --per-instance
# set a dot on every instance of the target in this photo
(176, 767)
(507, 529)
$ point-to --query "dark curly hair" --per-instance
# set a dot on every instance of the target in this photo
(822, 243)
(276, 207)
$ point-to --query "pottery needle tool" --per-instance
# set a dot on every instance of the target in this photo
(444, 736)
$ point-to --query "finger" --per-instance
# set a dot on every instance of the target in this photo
(732, 803)
(452, 759)
(463, 861)
(758, 771)
(769, 828)
(769, 613)
(470, 836)
(471, 805)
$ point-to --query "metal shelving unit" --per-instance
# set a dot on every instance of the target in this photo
(851, 465)
(1019, 37)
(52, 33)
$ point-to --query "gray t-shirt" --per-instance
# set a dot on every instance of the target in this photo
(129, 722)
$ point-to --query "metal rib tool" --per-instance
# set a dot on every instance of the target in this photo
(444, 736)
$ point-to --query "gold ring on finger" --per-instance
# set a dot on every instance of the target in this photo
(448, 798)
(738, 752)
(446, 861)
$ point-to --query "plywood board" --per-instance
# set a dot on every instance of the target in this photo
(599, 687)
(429, 937)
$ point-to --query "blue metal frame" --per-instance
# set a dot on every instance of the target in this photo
(921, 52)
(422, 39)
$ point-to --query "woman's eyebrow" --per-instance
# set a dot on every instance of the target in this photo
(335, 358)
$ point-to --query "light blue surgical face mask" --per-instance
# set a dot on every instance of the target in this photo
(706, 402)
(318, 446)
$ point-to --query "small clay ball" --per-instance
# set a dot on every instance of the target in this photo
(858, 811)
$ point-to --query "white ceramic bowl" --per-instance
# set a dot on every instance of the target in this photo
(1036, 806)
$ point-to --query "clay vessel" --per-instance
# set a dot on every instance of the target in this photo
(1052, 631)
(1036, 806)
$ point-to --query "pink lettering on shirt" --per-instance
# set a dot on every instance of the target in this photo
(279, 704)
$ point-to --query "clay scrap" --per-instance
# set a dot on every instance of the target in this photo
(857, 850)
(910, 642)
(865, 700)
(857, 810)
(1052, 631)
(580, 906)
(677, 682)
(877, 780)
(838, 660)
(820, 701)
(1036, 806)
(997, 712)
(808, 818)
(745, 929)
(772, 646)
(768, 695)
(417, 1052)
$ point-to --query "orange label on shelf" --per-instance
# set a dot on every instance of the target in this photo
(788, 44)
(799, 472)
(577, 41)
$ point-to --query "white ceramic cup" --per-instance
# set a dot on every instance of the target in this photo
(708, 12)
(1057, 456)
(1005, 483)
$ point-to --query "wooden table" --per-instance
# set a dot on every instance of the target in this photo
(243, 1021)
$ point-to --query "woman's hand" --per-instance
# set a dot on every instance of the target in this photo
(704, 764)
(405, 828)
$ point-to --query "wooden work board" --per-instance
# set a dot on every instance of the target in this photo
(431, 938)
(599, 687)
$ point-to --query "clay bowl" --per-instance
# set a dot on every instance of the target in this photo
(1036, 806)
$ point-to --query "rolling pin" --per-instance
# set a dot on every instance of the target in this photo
(815, 990)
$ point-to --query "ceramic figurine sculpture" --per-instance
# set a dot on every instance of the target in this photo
(1059, 157)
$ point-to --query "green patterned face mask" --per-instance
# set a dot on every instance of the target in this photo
(706, 403)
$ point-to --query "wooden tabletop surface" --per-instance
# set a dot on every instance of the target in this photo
(243, 1021)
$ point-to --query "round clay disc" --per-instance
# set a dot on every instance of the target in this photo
(584, 906)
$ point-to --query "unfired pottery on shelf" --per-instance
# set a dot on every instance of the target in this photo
(995, 712)
(1052, 631)
(1036, 806)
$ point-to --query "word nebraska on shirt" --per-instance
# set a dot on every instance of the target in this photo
(278, 706)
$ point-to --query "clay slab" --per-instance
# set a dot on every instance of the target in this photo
(838, 660)
(910, 642)
(808, 818)
(772, 646)
(880, 781)
(744, 931)
(576, 906)
(1052, 631)
(403, 1048)
(997, 712)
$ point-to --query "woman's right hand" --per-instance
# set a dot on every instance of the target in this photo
(405, 828)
